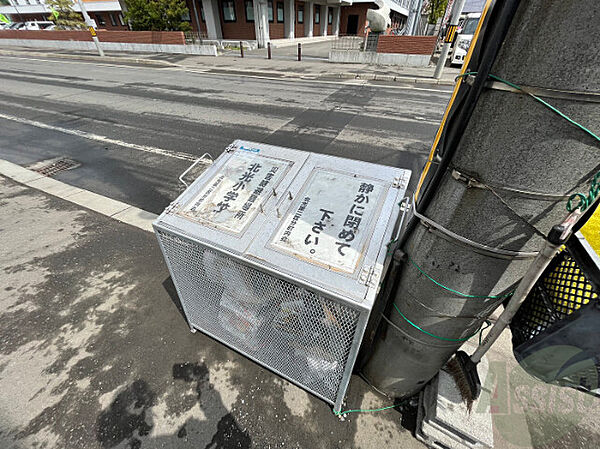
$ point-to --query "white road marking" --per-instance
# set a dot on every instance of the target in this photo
(102, 139)
(117, 210)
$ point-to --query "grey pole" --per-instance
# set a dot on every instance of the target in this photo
(91, 27)
(507, 184)
(457, 8)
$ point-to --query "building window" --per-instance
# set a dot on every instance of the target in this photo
(113, 21)
(202, 12)
(249, 6)
(300, 14)
(317, 14)
(279, 12)
(121, 19)
(185, 17)
(100, 20)
(330, 17)
(228, 11)
(270, 10)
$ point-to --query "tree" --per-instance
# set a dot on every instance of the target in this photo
(63, 15)
(437, 8)
(157, 15)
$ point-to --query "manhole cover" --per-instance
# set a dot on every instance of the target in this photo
(52, 166)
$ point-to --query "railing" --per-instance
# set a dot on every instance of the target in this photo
(195, 37)
(372, 41)
(347, 43)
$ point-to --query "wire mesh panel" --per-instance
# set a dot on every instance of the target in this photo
(372, 42)
(562, 290)
(348, 43)
(555, 331)
(294, 331)
(279, 253)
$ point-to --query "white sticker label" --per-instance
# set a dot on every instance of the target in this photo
(328, 224)
(232, 197)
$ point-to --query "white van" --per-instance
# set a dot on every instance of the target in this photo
(37, 25)
(464, 38)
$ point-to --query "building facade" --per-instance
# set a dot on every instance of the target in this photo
(260, 20)
(264, 20)
(107, 14)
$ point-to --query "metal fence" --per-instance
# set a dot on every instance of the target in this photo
(356, 42)
(347, 43)
(372, 41)
(195, 37)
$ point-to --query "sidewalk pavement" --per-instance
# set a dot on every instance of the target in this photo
(95, 351)
(283, 66)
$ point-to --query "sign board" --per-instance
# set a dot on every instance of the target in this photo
(330, 220)
(92, 31)
(450, 33)
(231, 199)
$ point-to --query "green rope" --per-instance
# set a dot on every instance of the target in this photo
(464, 295)
(583, 201)
(364, 410)
(433, 335)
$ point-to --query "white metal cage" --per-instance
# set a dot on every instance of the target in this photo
(270, 269)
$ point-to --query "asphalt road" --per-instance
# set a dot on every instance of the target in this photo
(176, 111)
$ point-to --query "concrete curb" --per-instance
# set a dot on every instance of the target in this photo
(394, 78)
(142, 61)
(118, 210)
(238, 71)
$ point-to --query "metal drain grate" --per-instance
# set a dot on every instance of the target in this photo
(52, 166)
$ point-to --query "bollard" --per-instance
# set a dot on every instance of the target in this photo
(268, 50)
(241, 49)
(299, 51)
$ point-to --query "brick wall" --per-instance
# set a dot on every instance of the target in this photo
(136, 37)
(241, 28)
(412, 45)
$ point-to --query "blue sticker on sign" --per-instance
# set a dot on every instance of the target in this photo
(252, 150)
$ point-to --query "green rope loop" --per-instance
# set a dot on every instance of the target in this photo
(464, 295)
(458, 340)
(583, 201)
(363, 410)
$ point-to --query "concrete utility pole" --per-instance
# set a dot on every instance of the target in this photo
(507, 184)
(91, 27)
(457, 8)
